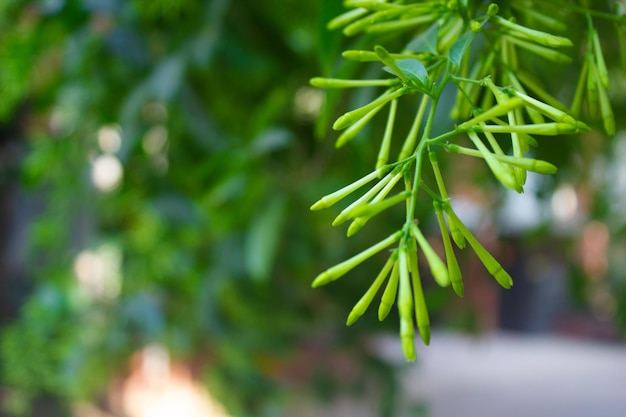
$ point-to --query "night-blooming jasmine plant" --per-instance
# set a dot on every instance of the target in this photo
(477, 49)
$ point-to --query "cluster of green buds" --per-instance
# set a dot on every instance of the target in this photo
(500, 121)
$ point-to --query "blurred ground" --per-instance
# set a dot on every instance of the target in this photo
(504, 374)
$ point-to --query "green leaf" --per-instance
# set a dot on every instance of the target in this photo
(414, 70)
(426, 41)
(263, 239)
(458, 48)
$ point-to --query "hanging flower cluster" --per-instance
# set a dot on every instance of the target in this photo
(441, 54)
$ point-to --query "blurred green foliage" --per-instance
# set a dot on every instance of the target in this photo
(217, 247)
(216, 254)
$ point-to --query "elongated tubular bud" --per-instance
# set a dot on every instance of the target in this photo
(455, 230)
(370, 56)
(592, 87)
(580, 90)
(394, 25)
(437, 267)
(408, 147)
(603, 74)
(361, 306)
(405, 307)
(518, 173)
(419, 303)
(531, 82)
(345, 213)
(332, 198)
(346, 18)
(369, 4)
(608, 119)
(546, 129)
(493, 266)
(547, 53)
(370, 210)
(549, 21)
(537, 36)
(321, 82)
(355, 128)
(498, 110)
(454, 272)
(544, 108)
(359, 222)
(354, 115)
(342, 268)
(451, 31)
(389, 295)
(534, 115)
(503, 175)
(383, 153)
(364, 22)
(534, 165)
(432, 156)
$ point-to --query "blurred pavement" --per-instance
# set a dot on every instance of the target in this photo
(516, 375)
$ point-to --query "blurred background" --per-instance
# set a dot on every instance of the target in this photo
(157, 163)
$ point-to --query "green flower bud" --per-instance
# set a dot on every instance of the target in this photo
(475, 26)
(550, 111)
(592, 87)
(389, 295)
(342, 268)
(580, 90)
(405, 307)
(546, 129)
(545, 20)
(354, 130)
(454, 271)
(360, 55)
(492, 10)
(421, 311)
(534, 115)
(432, 156)
(606, 111)
(321, 82)
(345, 213)
(353, 116)
(437, 267)
(493, 266)
(455, 230)
(397, 25)
(603, 74)
(361, 24)
(493, 112)
(356, 225)
(523, 32)
(383, 153)
(359, 222)
(345, 18)
(361, 306)
(370, 210)
(407, 338)
(504, 175)
(408, 147)
(534, 165)
(547, 53)
(370, 56)
(330, 199)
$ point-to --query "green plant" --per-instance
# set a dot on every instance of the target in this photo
(488, 54)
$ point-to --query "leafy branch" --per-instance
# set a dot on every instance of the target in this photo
(495, 95)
